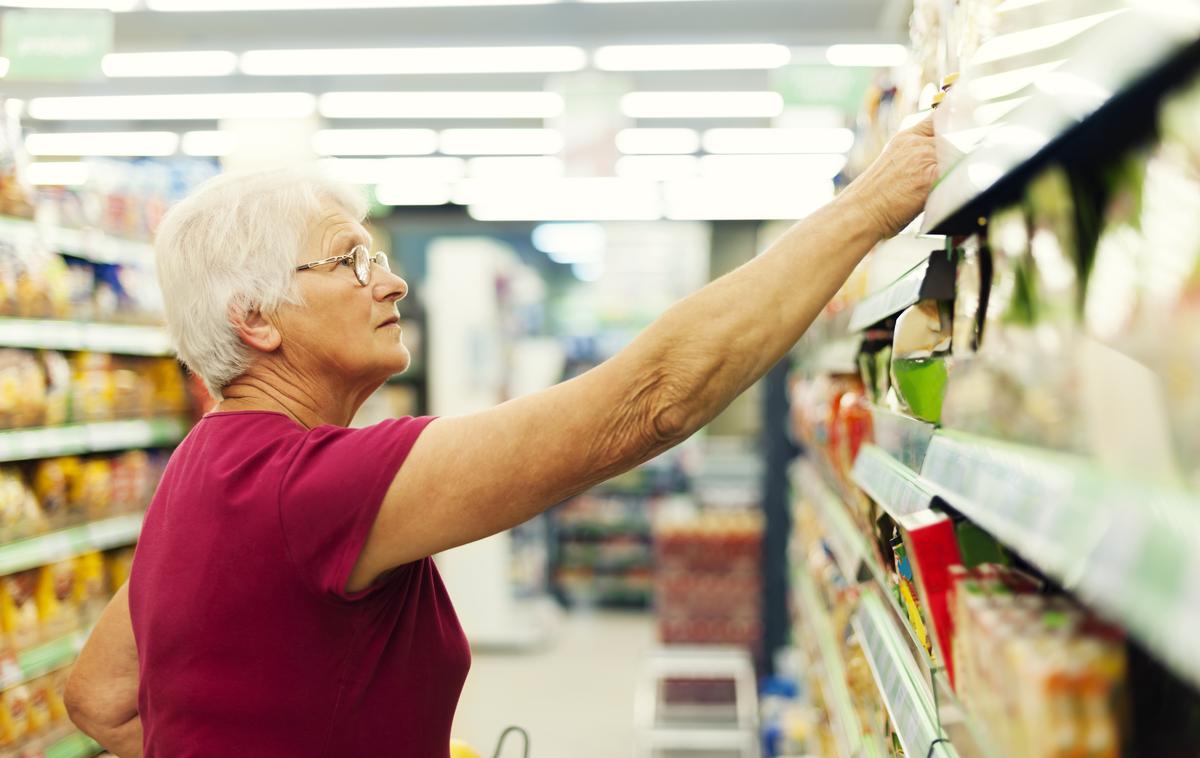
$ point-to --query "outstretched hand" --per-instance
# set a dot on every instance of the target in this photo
(893, 190)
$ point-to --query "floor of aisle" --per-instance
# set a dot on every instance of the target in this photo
(575, 696)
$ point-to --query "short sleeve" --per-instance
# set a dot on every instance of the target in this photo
(331, 493)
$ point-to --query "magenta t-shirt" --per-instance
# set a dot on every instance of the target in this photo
(248, 644)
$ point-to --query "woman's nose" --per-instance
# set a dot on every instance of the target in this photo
(390, 286)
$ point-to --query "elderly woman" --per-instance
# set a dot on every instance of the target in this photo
(283, 601)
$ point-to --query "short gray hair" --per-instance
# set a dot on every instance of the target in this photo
(234, 242)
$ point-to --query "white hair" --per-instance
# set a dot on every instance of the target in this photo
(233, 243)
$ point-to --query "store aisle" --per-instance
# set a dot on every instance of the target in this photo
(575, 697)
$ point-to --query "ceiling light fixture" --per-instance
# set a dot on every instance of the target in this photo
(173, 107)
(702, 104)
(102, 143)
(417, 60)
(691, 57)
(399, 105)
(184, 63)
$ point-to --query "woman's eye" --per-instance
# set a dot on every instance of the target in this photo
(344, 262)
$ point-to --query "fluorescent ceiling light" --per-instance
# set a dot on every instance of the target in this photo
(519, 168)
(116, 6)
(427, 193)
(713, 200)
(393, 170)
(778, 140)
(297, 5)
(658, 141)
(702, 104)
(64, 173)
(876, 56)
(171, 107)
(501, 141)
(495, 105)
(691, 57)
(417, 60)
(658, 167)
(375, 142)
(102, 143)
(188, 63)
(1025, 41)
(573, 199)
(799, 167)
(208, 143)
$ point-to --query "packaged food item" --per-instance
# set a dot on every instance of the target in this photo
(14, 715)
(53, 479)
(118, 564)
(57, 371)
(22, 389)
(95, 390)
(92, 491)
(18, 608)
(919, 349)
(131, 481)
(19, 512)
(57, 609)
(40, 715)
(91, 587)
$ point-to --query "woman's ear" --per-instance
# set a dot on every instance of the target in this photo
(254, 329)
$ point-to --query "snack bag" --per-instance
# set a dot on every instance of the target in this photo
(39, 706)
(56, 688)
(52, 481)
(55, 597)
(92, 490)
(19, 512)
(18, 609)
(90, 585)
(14, 715)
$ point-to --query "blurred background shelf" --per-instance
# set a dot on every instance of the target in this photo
(94, 437)
(38, 661)
(124, 339)
(91, 244)
(74, 745)
(67, 543)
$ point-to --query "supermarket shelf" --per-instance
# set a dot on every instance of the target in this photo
(905, 692)
(67, 543)
(125, 339)
(74, 745)
(849, 547)
(41, 660)
(903, 437)
(95, 437)
(890, 483)
(851, 738)
(1124, 547)
(90, 244)
(932, 279)
(836, 357)
(1120, 122)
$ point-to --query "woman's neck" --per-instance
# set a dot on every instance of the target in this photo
(309, 406)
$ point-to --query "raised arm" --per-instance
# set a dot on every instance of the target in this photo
(102, 693)
(472, 476)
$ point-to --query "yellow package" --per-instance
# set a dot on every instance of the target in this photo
(95, 389)
(90, 591)
(119, 563)
(92, 489)
(55, 598)
(18, 610)
(56, 688)
(14, 715)
(40, 717)
(52, 482)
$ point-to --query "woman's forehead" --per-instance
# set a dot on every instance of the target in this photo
(337, 231)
